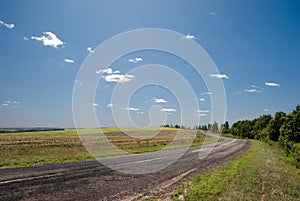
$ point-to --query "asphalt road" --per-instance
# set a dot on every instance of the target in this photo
(92, 180)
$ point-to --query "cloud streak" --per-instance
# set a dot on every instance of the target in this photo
(69, 60)
(219, 76)
(118, 78)
(252, 91)
(131, 109)
(272, 84)
(90, 50)
(203, 111)
(9, 26)
(114, 76)
(206, 93)
(107, 71)
(167, 110)
(136, 60)
(49, 39)
(95, 104)
(159, 100)
(190, 37)
(12, 104)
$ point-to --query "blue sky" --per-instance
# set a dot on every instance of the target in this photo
(255, 43)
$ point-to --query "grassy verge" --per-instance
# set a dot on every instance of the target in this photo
(45, 147)
(258, 174)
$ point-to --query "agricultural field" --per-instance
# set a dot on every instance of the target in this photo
(46, 147)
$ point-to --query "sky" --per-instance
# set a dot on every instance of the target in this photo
(255, 46)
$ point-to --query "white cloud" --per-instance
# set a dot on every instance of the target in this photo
(95, 104)
(9, 26)
(272, 84)
(212, 13)
(25, 38)
(110, 105)
(220, 76)
(202, 115)
(190, 37)
(140, 112)
(202, 99)
(136, 60)
(90, 50)
(131, 109)
(159, 100)
(254, 86)
(49, 39)
(266, 110)
(69, 60)
(114, 76)
(12, 104)
(168, 110)
(204, 111)
(206, 93)
(118, 78)
(252, 91)
(107, 71)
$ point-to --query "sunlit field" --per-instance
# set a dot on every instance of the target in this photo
(46, 147)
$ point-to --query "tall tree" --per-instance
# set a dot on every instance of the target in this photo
(274, 125)
(259, 125)
(225, 127)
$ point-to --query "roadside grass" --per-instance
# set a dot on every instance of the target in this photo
(258, 174)
(46, 147)
(231, 136)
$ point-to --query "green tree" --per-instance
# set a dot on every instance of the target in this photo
(225, 127)
(274, 125)
(243, 129)
(290, 128)
(261, 124)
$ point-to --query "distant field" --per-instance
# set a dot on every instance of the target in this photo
(44, 147)
(74, 131)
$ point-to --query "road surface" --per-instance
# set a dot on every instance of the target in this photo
(91, 180)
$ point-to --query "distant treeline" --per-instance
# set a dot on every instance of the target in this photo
(282, 128)
(18, 130)
(212, 127)
(173, 126)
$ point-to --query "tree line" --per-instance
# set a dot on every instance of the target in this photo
(211, 127)
(282, 128)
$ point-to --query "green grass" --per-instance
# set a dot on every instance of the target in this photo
(46, 147)
(258, 174)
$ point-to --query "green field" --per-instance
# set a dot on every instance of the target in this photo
(45, 147)
(258, 174)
